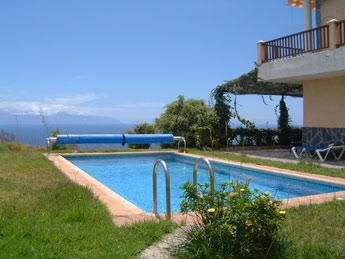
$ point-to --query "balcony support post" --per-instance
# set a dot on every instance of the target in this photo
(333, 34)
(307, 15)
(318, 13)
(261, 52)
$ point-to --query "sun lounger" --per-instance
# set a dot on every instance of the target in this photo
(321, 152)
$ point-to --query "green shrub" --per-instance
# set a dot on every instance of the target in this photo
(55, 146)
(7, 136)
(142, 128)
(263, 137)
(232, 222)
(14, 146)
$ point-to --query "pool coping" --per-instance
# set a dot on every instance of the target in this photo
(125, 212)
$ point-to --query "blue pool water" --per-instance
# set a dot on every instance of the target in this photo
(130, 175)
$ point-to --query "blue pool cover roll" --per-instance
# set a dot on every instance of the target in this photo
(89, 139)
(114, 139)
(148, 138)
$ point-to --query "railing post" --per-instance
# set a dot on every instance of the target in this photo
(341, 33)
(261, 48)
(333, 34)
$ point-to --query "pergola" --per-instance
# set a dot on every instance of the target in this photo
(249, 84)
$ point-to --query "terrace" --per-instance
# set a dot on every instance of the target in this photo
(292, 58)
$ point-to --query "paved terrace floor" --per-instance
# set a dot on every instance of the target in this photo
(285, 155)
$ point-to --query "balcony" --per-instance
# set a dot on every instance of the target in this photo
(310, 54)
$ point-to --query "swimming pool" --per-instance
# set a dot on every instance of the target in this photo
(130, 175)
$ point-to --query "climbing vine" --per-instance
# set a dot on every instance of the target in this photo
(224, 113)
(224, 100)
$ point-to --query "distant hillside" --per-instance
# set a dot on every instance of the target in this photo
(60, 118)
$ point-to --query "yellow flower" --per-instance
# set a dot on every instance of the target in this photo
(282, 212)
(201, 196)
(233, 194)
(249, 223)
(263, 197)
(211, 210)
(268, 193)
(243, 190)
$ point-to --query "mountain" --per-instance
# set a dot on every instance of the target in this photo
(59, 118)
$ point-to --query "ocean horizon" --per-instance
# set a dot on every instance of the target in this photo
(36, 134)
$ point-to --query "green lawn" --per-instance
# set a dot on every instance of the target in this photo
(315, 231)
(44, 215)
(302, 166)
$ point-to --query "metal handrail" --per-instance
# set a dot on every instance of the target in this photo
(50, 142)
(210, 169)
(167, 186)
(179, 139)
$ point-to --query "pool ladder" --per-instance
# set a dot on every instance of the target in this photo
(167, 182)
(167, 188)
(210, 169)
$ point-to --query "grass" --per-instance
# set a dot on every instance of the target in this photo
(44, 215)
(302, 166)
(315, 231)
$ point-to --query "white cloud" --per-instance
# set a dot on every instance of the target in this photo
(67, 104)
(75, 100)
(77, 105)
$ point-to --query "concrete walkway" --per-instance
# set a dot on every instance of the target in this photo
(285, 156)
(161, 250)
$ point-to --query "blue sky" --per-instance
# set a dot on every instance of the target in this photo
(127, 59)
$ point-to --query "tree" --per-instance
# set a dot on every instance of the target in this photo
(191, 118)
(283, 123)
(223, 112)
(142, 128)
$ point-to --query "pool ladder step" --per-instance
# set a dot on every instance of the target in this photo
(167, 182)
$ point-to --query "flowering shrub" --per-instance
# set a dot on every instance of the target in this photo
(232, 222)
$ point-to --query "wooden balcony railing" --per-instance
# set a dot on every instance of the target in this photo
(297, 44)
(327, 36)
(341, 28)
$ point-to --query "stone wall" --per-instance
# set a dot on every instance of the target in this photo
(322, 136)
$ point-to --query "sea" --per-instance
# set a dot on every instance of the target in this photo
(36, 134)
